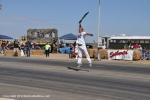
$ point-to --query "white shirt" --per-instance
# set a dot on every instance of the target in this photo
(80, 38)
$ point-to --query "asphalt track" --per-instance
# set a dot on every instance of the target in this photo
(95, 84)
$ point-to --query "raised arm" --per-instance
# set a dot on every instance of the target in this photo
(80, 28)
(90, 34)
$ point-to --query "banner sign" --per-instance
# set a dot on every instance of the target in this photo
(120, 54)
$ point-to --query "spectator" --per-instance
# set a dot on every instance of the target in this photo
(47, 49)
(136, 46)
(22, 49)
(16, 47)
(3, 45)
(28, 47)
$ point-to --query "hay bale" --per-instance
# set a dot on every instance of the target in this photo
(12, 53)
(103, 53)
(91, 52)
(94, 52)
(37, 52)
(9, 53)
(16, 54)
(137, 54)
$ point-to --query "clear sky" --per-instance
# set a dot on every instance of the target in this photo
(131, 17)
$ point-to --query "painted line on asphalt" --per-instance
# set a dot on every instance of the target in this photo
(6, 99)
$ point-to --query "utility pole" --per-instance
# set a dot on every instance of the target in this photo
(99, 40)
(98, 26)
(0, 6)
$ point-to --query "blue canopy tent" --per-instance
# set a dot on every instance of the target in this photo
(69, 36)
(4, 37)
(67, 39)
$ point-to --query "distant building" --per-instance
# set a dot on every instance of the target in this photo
(42, 36)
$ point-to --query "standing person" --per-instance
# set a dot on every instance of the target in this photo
(81, 46)
(28, 47)
(16, 47)
(22, 47)
(47, 49)
(3, 47)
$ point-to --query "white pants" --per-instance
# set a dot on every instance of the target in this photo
(83, 49)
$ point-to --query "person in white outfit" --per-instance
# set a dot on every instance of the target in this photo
(81, 46)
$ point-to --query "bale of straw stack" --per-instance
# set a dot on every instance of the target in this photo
(37, 52)
(137, 55)
(91, 52)
(12, 53)
(102, 52)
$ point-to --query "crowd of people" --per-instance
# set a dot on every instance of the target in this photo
(24, 48)
(16, 46)
(135, 46)
(79, 48)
